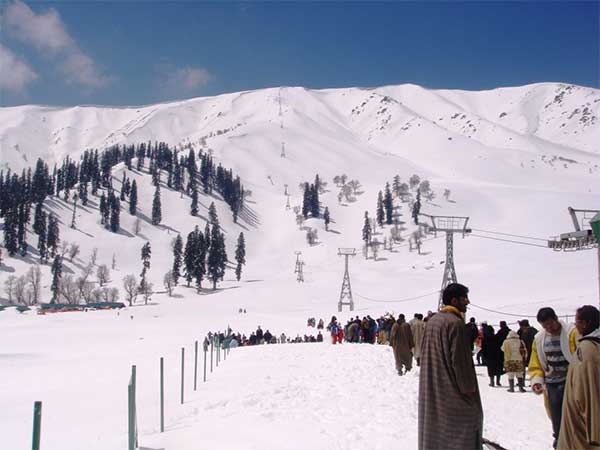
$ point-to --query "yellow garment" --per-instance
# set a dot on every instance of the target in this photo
(453, 310)
(535, 367)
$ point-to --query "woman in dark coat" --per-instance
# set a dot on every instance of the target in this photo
(492, 354)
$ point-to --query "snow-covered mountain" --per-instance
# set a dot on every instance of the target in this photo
(514, 159)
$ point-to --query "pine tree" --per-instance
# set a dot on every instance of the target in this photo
(396, 186)
(83, 192)
(177, 254)
(417, 208)
(22, 228)
(306, 200)
(199, 260)
(10, 231)
(146, 254)
(366, 231)
(37, 217)
(133, 199)
(56, 276)
(388, 204)
(212, 215)
(217, 257)
(194, 206)
(380, 211)
(115, 212)
(315, 207)
(326, 218)
(189, 257)
(104, 210)
(53, 235)
(207, 235)
(123, 184)
(42, 238)
(156, 207)
(240, 256)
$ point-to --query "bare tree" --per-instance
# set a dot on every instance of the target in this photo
(68, 290)
(113, 294)
(73, 251)
(114, 262)
(146, 290)
(131, 288)
(20, 288)
(103, 274)
(97, 295)
(64, 249)
(137, 226)
(34, 278)
(169, 282)
(85, 289)
(9, 288)
(87, 271)
(94, 256)
(355, 185)
(312, 236)
(375, 246)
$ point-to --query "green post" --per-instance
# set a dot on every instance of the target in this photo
(37, 425)
(218, 349)
(182, 371)
(225, 352)
(211, 354)
(205, 349)
(162, 395)
(195, 363)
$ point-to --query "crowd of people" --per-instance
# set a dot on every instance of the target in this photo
(230, 339)
(563, 363)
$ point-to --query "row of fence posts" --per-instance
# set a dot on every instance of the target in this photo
(132, 432)
(215, 348)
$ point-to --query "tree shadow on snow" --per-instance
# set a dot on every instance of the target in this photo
(8, 269)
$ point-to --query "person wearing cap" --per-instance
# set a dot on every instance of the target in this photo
(580, 425)
(450, 412)
(551, 353)
(527, 334)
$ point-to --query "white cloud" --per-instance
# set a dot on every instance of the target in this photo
(15, 73)
(47, 33)
(43, 31)
(185, 79)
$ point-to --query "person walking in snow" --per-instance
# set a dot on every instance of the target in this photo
(450, 411)
(580, 424)
(417, 327)
(492, 355)
(515, 355)
(527, 334)
(551, 353)
(401, 340)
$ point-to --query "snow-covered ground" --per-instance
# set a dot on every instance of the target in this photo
(513, 173)
(290, 396)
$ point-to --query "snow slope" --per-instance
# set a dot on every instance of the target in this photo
(514, 173)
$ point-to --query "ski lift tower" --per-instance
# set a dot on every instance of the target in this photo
(346, 292)
(450, 225)
(585, 237)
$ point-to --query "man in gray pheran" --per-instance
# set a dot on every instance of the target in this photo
(450, 412)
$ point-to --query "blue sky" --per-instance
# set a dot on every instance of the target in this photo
(140, 52)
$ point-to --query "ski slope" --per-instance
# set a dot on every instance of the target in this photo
(514, 173)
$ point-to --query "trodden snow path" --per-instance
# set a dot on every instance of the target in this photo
(320, 396)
